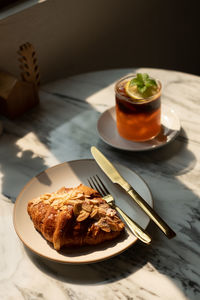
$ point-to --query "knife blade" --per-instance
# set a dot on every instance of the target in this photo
(108, 168)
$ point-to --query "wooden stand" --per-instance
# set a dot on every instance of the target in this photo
(18, 96)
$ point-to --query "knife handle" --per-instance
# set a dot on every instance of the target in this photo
(135, 228)
(152, 214)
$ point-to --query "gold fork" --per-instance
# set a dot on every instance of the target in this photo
(96, 183)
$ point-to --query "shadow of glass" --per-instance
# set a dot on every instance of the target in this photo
(175, 150)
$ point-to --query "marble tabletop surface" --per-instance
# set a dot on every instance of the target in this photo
(63, 128)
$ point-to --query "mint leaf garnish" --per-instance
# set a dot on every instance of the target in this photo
(143, 82)
(142, 89)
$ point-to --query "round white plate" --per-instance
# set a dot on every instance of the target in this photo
(71, 174)
(107, 130)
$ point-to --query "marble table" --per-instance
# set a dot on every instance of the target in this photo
(63, 128)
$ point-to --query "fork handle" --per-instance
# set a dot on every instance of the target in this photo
(138, 231)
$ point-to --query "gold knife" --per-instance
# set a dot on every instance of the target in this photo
(115, 177)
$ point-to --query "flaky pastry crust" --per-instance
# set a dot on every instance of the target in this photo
(74, 217)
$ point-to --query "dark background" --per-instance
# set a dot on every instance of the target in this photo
(78, 36)
(155, 33)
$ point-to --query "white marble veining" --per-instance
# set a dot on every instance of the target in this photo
(63, 128)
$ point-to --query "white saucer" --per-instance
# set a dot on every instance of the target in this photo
(107, 130)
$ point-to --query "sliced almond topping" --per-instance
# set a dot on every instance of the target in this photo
(74, 195)
(77, 207)
(45, 196)
(62, 190)
(110, 212)
(36, 201)
(114, 226)
(94, 213)
(94, 201)
(120, 225)
(115, 218)
(82, 216)
(104, 225)
(93, 230)
(73, 201)
(79, 196)
(87, 207)
(111, 222)
(105, 228)
(56, 202)
(104, 205)
(63, 207)
(87, 196)
(102, 211)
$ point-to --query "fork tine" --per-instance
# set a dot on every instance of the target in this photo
(90, 184)
(103, 185)
(98, 186)
(94, 184)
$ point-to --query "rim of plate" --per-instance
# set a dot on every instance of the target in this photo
(72, 262)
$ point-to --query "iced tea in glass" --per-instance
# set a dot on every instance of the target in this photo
(137, 119)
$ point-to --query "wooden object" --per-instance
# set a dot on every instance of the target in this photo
(18, 96)
(28, 64)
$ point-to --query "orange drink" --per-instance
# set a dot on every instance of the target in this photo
(138, 107)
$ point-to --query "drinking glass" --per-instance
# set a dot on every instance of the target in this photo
(137, 119)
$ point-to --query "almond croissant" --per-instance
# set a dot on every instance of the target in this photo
(74, 216)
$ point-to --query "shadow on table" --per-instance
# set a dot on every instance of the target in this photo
(42, 136)
(103, 272)
(162, 158)
(178, 259)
